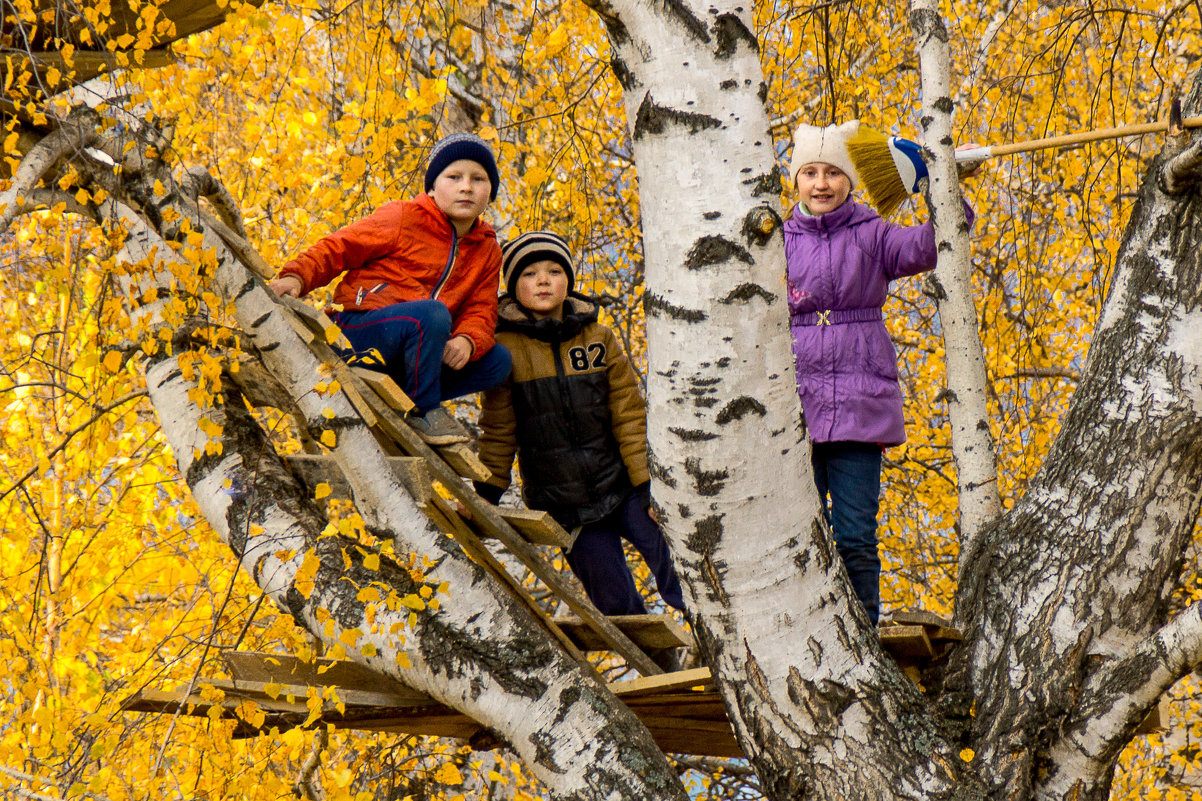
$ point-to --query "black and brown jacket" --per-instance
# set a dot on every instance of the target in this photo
(571, 411)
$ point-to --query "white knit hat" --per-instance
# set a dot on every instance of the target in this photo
(828, 145)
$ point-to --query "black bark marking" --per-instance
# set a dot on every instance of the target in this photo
(685, 16)
(246, 288)
(659, 472)
(544, 751)
(932, 288)
(728, 85)
(654, 304)
(712, 249)
(762, 92)
(724, 362)
(767, 183)
(692, 434)
(739, 408)
(745, 292)
(711, 215)
(269, 347)
(761, 222)
(728, 30)
(626, 77)
(944, 105)
(708, 482)
(707, 533)
(705, 403)
(258, 321)
(655, 119)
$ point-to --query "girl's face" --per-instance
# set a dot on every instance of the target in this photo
(822, 187)
(542, 288)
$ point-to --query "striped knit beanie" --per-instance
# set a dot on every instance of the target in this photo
(532, 246)
(462, 146)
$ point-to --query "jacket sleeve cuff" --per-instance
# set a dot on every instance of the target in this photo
(643, 491)
(489, 492)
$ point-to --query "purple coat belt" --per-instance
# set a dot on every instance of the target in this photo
(839, 268)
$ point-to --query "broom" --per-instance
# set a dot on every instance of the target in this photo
(891, 167)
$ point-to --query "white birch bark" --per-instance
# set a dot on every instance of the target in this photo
(806, 685)
(951, 282)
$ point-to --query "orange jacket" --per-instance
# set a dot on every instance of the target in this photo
(408, 250)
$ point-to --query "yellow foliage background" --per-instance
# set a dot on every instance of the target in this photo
(312, 114)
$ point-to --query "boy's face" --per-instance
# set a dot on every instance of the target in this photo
(822, 187)
(461, 191)
(542, 288)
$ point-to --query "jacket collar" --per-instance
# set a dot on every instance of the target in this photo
(480, 229)
(850, 213)
(578, 311)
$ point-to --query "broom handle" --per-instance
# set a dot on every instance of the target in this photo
(977, 154)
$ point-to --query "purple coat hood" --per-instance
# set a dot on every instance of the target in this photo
(842, 262)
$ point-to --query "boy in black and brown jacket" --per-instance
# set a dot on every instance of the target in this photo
(572, 413)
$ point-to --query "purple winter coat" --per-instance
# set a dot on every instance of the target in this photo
(842, 262)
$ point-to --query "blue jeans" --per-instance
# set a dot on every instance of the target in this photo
(598, 561)
(410, 337)
(850, 474)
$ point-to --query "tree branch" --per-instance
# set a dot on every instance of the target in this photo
(1183, 171)
(199, 182)
(1120, 695)
(76, 133)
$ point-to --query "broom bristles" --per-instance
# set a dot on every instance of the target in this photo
(869, 152)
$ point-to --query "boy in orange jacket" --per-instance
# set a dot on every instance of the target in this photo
(419, 285)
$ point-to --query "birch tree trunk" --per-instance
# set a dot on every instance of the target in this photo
(951, 286)
(815, 704)
(1069, 641)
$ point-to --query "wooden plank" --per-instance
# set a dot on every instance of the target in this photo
(249, 667)
(321, 327)
(314, 469)
(663, 683)
(464, 461)
(646, 631)
(536, 527)
(386, 388)
(1157, 719)
(482, 556)
(486, 515)
(907, 641)
(920, 617)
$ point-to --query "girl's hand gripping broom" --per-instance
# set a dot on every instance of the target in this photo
(891, 167)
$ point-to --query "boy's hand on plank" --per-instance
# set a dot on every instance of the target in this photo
(286, 285)
(457, 352)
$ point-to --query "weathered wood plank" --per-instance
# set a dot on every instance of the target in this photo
(249, 667)
(537, 527)
(386, 388)
(647, 631)
(907, 642)
(663, 683)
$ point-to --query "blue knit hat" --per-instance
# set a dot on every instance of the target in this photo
(462, 146)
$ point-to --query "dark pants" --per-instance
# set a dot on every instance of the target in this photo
(410, 338)
(598, 561)
(850, 473)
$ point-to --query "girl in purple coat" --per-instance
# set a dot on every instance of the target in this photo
(841, 257)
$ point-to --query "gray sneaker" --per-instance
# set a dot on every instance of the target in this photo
(437, 427)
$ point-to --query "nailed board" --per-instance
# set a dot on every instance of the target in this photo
(907, 642)
(646, 631)
(536, 527)
(386, 388)
(256, 666)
